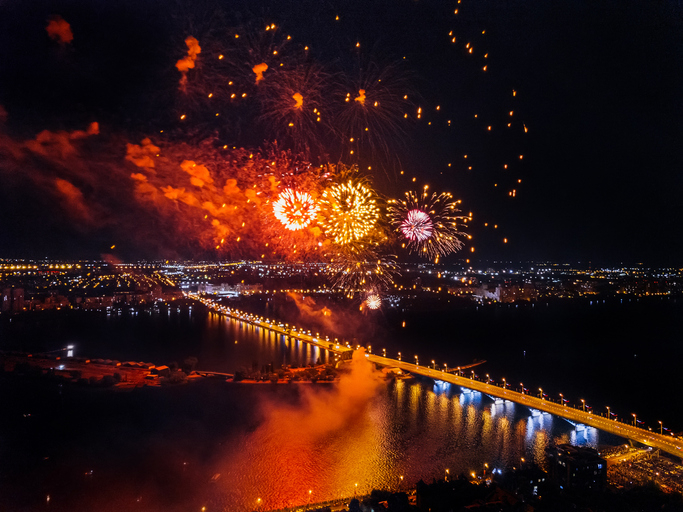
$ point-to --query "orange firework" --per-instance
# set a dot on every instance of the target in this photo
(293, 108)
(295, 209)
(259, 69)
(371, 108)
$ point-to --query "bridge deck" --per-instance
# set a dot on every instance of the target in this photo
(667, 444)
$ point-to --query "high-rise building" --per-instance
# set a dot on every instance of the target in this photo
(577, 467)
(17, 300)
(6, 299)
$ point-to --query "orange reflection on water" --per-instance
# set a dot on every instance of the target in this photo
(367, 431)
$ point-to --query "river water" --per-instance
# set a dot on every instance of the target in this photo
(225, 446)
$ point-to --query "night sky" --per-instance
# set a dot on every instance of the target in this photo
(598, 85)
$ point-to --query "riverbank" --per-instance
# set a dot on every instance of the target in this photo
(107, 373)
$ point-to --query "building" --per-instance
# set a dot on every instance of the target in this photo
(577, 467)
(13, 300)
(6, 299)
(227, 290)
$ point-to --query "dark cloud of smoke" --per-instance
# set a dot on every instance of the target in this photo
(59, 30)
(73, 201)
(311, 312)
(79, 188)
(337, 322)
(58, 145)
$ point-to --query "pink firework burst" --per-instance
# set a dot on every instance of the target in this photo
(429, 223)
(294, 209)
(417, 226)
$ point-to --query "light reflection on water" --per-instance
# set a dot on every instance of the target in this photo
(415, 429)
(410, 428)
(234, 344)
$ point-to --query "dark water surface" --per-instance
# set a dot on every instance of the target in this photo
(224, 445)
(623, 354)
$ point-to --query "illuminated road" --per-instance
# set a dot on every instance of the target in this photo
(668, 444)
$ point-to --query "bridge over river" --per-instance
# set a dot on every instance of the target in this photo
(668, 444)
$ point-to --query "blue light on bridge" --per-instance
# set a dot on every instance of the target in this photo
(469, 396)
(583, 435)
(441, 387)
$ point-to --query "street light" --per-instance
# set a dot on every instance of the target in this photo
(416, 361)
(384, 352)
(540, 392)
(583, 404)
(661, 429)
(433, 364)
(399, 356)
(522, 387)
(447, 474)
(504, 383)
(634, 419)
(488, 379)
(445, 366)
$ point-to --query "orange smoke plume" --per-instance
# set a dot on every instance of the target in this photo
(172, 193)
(93, 129)
(288, 440)
(142, 155)
(73, 200)
(59, 30)
(259, 69)
(199, 174)
(58, 144)
(187, 62)
(299, 101)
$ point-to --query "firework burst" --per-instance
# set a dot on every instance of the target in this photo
(354, 271)
(430, 224)
(417, 226)
(373, 300)
(349, 211)
(295, 209)
(292, 104)
(372, 108)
